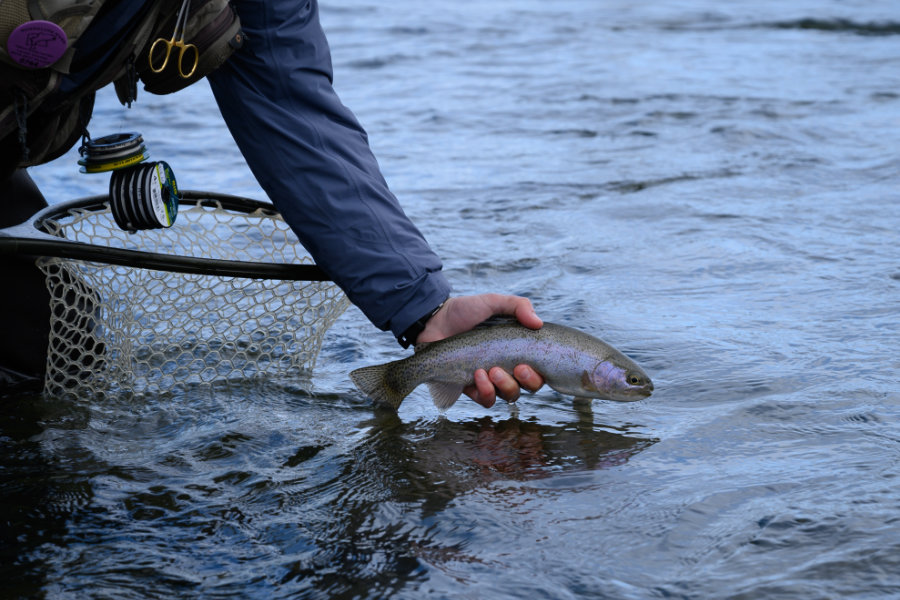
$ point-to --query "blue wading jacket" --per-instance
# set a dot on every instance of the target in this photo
(312, 158)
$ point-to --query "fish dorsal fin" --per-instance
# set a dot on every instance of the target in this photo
(497, 320)
(444, 394)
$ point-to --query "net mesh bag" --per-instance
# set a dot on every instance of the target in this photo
(117, 328)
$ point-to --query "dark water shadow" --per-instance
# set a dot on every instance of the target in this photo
(38, 493)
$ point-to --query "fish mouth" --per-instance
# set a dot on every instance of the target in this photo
(635, 393)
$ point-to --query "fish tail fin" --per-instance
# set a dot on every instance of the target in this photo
(378, 383)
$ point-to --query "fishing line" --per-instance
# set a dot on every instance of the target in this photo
(144, 196)
(112, 152)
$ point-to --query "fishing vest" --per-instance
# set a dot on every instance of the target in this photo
(55, 54)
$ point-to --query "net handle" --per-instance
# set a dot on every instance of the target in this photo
(27, 239)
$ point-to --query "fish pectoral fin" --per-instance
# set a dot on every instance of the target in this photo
(586, 382)
(444, 394)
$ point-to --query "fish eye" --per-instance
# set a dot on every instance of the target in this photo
(634, 379)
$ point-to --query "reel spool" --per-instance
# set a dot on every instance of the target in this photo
(112, 152)
(144, 196)
(141, 196)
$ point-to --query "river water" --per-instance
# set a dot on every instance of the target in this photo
(711, 187)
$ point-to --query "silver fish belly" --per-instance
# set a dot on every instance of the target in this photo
(570, 361)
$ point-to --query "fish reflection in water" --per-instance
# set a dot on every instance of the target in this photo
(436, 460)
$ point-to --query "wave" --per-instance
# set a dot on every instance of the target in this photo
(836, 26)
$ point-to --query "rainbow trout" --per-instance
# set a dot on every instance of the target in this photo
(570, 361)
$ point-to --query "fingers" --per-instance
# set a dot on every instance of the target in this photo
(482, 391)
(498, 383)
(526, 315)
(528, 378)
(507, 387)
(488, 386)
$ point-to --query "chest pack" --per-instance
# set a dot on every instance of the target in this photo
(55, 54)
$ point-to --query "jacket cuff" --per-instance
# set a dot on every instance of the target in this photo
(408, 338)
(409, 321)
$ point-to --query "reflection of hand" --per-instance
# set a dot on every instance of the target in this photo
(462, 313)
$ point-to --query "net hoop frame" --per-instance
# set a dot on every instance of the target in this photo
(32, 239)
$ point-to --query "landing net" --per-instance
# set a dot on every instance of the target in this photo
(117, 328)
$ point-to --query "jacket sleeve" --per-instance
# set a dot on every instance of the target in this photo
(311, 156)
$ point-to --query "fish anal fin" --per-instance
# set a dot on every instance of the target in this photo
(444, 394)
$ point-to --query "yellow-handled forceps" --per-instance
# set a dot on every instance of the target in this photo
(177, 41)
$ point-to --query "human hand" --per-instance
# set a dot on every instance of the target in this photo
(462, 313)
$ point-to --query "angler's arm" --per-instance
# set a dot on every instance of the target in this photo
(312, 157)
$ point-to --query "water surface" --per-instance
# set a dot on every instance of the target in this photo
(711, 187)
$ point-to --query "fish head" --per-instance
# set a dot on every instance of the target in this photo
(612, 381)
